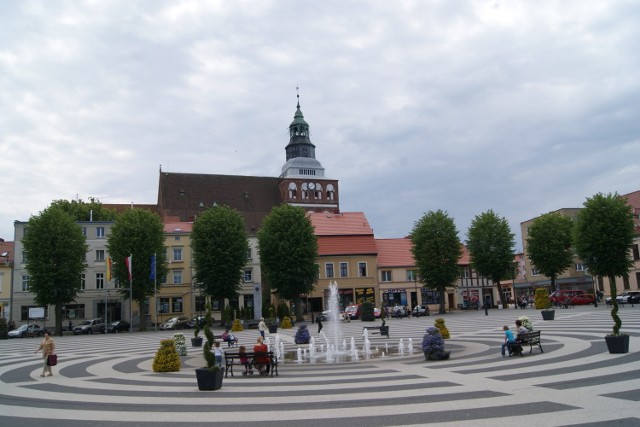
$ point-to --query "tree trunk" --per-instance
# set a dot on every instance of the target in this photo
(503, 300)
(143, 317)
(58, 310)
(298, 303)
(442, 309)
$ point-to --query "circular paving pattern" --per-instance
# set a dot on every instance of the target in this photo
(108, 381)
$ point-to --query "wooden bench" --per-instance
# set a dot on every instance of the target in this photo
(530, 338)
(232, 358)
(382, 330)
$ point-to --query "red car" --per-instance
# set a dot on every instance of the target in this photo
(583, 299)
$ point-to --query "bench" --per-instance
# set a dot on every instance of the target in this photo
(382, 330)
(234, 342)
(530, 338)
(233, 359)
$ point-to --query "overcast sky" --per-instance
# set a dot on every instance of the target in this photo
(522, 107)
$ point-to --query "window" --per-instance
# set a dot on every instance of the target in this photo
(25, 283)
(177, 276)
(248, 275)
(99, 254)
(99, 232)
(99, 280)
(580, 267)
(412, 276)
(24, 311)
(177, 254)
(1, 277)
(636, 253)
(534, 272)
(83, 281)
(328, 270)
(465, 273)
(249, 254)
(344, 270)
(625, 281)
(176, 238)
(164, 305)
(24, 257)
(84, 231)
(386, 275)
(362, 269)
(176, 305)
(200, 303)
(318, 270)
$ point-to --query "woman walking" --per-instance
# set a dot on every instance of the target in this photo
(48, 346)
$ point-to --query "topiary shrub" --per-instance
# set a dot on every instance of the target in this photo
(179, 341)
(433, 345)
(541, 299)
(302, 335)
(366, 312)
(443, 329)
(237, 326)
(283, 310)
(166, 358)
(209, 357)
(286, 323)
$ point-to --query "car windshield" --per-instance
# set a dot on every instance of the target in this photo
(22, 328)
(173, 319)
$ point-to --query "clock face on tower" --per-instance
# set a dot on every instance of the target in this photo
(311, 186)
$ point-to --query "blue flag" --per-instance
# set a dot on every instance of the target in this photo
(152, 275)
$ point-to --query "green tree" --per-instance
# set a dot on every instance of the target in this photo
(55, 249)
(436, 250)
(603, 236)
(549, 244)
(491, 242)
(288, 253)
(220, 246)
(86, 211)
(140, 234)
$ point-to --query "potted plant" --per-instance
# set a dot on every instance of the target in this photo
(302, 335)
(541, 301)
(604, 233)
(433, 345)
(196, 341)
(209, 377)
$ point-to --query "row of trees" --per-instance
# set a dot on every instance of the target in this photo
(56, 251)
(601, 235)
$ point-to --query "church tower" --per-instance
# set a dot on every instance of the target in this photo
(302, 179)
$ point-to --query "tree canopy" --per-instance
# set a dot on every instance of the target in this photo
(219, 243)
(55, 249)
(140, 234)
(86, 211)
(288, 253)
(549, 244)
(603, 236)
(491, 242)
(437, 250)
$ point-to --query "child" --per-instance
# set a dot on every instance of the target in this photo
(509, 340)
(242, 352)
(217, 351)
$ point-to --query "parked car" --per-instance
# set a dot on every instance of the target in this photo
(191, 324)
(625, 297)
(181, 322)
(353, 311)
(324, 316)
(25, 331)
(89, 327)
(565, 296)
(583, 299)
(117, 326)
(421, 310)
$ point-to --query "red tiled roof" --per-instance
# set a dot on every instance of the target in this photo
(346, 245)
(342, 224)
(177, 227)
(633, 199)
(8, 248)
(395, 252)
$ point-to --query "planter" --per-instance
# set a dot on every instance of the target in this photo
(548, 314)
(273, 329)
(209, 380)
(617, 343)
(196, 342)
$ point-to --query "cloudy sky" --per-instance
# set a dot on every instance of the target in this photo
(522, 107)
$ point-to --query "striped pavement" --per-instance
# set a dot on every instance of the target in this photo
(108, 381)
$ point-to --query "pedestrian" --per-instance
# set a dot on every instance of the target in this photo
(261, 360)
(262, 327)
(218, 353)
(319, 322)
(48, 346)
(509, 340)
(70, 325)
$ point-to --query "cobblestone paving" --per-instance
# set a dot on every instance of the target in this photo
(108, 381)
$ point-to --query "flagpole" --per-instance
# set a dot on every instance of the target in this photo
(155, 292)
(131, 293)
